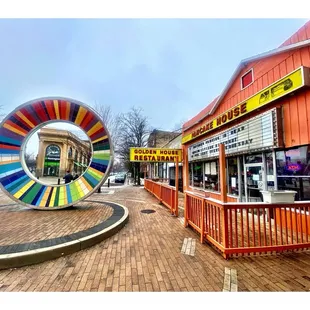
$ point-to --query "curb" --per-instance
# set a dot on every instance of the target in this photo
(26, 258)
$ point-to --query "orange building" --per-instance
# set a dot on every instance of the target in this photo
(263, 118)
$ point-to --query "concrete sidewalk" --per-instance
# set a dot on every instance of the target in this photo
(154, 252)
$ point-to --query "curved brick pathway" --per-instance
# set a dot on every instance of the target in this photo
(20, 224)
(146, 256)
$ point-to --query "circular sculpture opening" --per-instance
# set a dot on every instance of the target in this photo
(52, 150)
(16, 129)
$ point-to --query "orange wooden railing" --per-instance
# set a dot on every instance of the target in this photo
(241, 228)
(161, 180)
(166, 194)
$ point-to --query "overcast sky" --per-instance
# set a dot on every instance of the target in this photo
(170, 68)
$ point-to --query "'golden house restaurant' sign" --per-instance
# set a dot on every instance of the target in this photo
(155, 155)
(286, 85)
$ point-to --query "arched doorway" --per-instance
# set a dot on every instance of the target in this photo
(52, 160)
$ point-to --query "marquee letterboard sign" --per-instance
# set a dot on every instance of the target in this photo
(257, 133)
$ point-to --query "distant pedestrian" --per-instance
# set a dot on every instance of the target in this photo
(68, 177)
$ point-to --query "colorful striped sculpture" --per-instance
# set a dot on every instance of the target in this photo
(15, 130)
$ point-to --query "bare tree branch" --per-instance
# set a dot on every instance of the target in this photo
(110, 120)
(134, 130)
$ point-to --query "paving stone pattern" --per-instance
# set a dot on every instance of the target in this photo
(146, 256)
(230, 280)
(22, 225)
(188, 247)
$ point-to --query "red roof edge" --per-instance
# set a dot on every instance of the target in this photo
(300, 35)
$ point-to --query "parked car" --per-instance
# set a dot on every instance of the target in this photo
(120, 178)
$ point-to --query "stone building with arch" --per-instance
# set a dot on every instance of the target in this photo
(59, 151)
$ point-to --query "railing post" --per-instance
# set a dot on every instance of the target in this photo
(222, 162)
(185, 211)
(171, 197)
(224, 229)
(202, 220)
(176, 209)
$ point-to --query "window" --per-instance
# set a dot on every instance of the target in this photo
(269, 172)
(52, 160)
(204, 175)
(293, 162)
(254, 159)
(212, 176)
(247, 79)
(198, 174)
(293, 170)
(232, 171)
(190, 170)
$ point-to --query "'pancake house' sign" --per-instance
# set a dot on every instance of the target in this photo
(139, 154)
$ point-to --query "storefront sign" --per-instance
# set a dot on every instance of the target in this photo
(155, 155)
(254, 134)
(286, 85)
(293, 167)
(52, 153)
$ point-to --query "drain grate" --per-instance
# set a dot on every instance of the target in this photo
(148, 211)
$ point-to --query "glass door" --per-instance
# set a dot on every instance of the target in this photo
(254, 182)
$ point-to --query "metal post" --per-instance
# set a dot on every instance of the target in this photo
(239, 179)
(109, 182)
(176, 209)
(58, 181)
(275, 179)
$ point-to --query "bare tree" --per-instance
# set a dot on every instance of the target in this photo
(134, 131)
(30, 161)
(110, 120)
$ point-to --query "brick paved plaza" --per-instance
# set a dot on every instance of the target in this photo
(153, 252)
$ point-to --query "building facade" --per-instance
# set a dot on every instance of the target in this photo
(263, 119)
(59, 151)
(159, 139)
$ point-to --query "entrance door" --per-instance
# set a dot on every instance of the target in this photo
(254, 182)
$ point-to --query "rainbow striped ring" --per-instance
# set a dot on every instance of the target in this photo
(15, 130)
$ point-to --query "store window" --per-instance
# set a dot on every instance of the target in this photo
(293, 171)
(269, 171)
(198, 174)
(232, 173)
(204, 175)
(211, 175)
(190, 169)
(160, 170)
(293, 162)
(254, 159)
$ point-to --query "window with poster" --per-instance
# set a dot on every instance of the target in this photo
(293, 171)
(269, 171)
(211, 174)
(198, 174)
(232, 173)
(204, 175)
